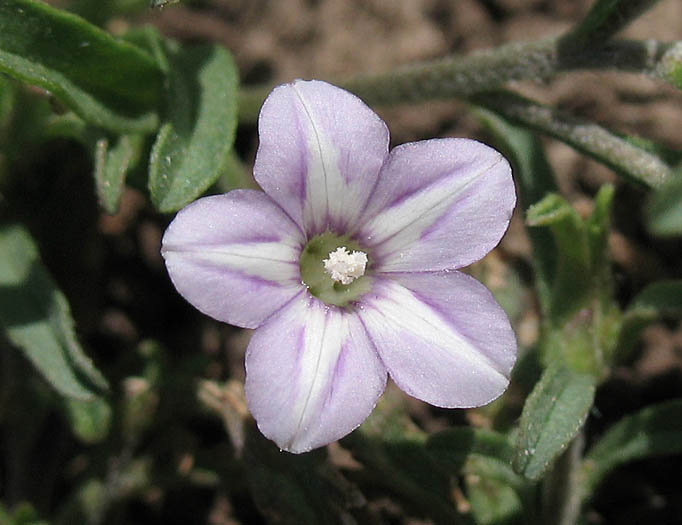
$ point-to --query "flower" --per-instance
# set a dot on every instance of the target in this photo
(345, 265)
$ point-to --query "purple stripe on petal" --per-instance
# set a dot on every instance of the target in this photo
(442, 337)
(439, 204)
(330, 138)
(305, 393)
(442, 223)
(234, 256)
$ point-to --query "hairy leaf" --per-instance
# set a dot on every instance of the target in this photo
(37, 318)
(109, 83)
(290, 489)
(192, 147)
(664, 210)
(111, 167)
(554, 412)
(572, 275)
(626, 157)
(605, 18)
(535, 179)
(90, 420)
(653, 431)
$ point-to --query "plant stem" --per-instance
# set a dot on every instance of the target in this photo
(458, 76)
(561, 498)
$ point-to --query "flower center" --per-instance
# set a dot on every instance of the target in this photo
(333, 269)
(345, 267)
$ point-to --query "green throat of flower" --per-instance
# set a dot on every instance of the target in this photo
(333, 268)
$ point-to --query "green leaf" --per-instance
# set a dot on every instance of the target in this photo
(109, 83)
(24, 514)
(37, 318)
(670, 66)
(492, 501)
(67, 125)
(658, 300)
(192, 147)
(6, 101)
(162, 3)
(654, 431)
(572, 276)
(392, 449)
(497, 494)
(297, 489)
(111, 167)
(662, 297)
(535, 179)
(90, 420)
(664, 210)
(625, 156)
(597, 228)
(552, 415)
(453, 446)
(149, 39)
(101, 12)
(605, 18)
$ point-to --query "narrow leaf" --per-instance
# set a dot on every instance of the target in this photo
(392, 449)
(6, 100)
(654, 431)
(670, 65)
(484, 458)
(535, 179)
(37, 318)
(605, 19)
(554, 412)
(305, 489)
(664, 210)
(597, 228)
(454, 445)
(657, 301)
(192, 148)
(90, 420)
(149, 39)
(625, 157)
(663, 297)
(162, 3)
(572, 275)
(492, 501)
(109, 83)
(111, 167)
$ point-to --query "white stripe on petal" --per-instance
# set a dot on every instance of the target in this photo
(234, 256)
(319, 155)
(312, 375)
(439, 204)
(271, 261)
(430, 349)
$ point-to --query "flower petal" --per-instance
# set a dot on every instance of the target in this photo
(234, 256)
(319, 155)
(312, 375)
(439, 204)
(442, 336)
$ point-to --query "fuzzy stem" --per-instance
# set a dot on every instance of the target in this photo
(458, 76)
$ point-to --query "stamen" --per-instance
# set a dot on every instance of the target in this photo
(343, 266)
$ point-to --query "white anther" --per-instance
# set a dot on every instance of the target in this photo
(345, 267)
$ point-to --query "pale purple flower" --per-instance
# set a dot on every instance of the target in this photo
(346, 264)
